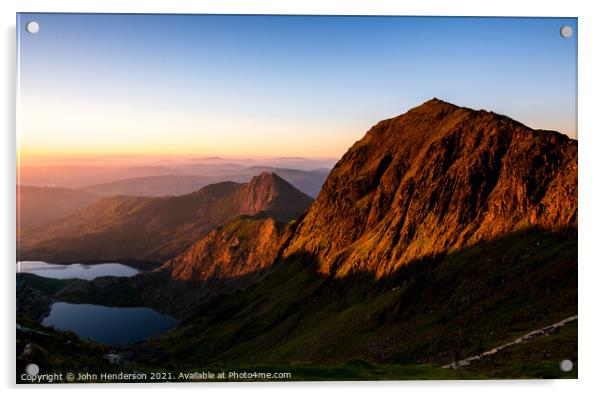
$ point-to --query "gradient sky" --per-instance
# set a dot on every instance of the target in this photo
(275, 85)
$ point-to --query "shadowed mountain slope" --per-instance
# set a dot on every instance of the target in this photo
(434, 310)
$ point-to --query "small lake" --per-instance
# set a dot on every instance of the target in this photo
(76, 270)
(110, 325)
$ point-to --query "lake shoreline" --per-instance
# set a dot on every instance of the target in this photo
(141, 265)
(76, 270)
(128, 325)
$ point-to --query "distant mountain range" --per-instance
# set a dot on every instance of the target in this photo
(309, 182)
(157, 229)
(38, 205)
(172, 178)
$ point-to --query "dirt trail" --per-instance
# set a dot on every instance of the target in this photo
(525, 338)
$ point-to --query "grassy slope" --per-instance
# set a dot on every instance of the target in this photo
(33, 209)
(45, 285)
(537, 359)
(430, 313)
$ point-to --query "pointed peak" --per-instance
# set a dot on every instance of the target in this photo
(435, 100)
(269, 179)
(436, 103)
(265, 177)
(269, 193)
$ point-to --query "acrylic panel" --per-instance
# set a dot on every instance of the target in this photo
(295, 198)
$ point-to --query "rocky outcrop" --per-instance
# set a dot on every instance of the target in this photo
(434, 180)
(32, 303)
(226, 260)
(272, 196)
(34, 295)
(243, 247)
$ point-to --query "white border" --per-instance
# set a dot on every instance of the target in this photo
(590, 132)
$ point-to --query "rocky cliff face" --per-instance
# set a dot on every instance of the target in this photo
(437, 179)
(236, 251)
(226, 260)
(270, 194)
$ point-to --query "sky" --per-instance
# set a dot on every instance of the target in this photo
(174, 85)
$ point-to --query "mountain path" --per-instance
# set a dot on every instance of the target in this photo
(522, 339)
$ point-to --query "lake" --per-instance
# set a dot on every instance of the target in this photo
(109, 325)
(76, 270)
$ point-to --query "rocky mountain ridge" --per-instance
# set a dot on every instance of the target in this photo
(244, 246)
(437, 179)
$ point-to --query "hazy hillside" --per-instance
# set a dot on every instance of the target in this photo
(153, 186)
(37, 205)
(76, 176)
(157, 229)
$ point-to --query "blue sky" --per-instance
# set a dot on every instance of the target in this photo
(276, 85)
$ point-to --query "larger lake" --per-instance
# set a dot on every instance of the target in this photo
(76, 270)
(110, 325)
